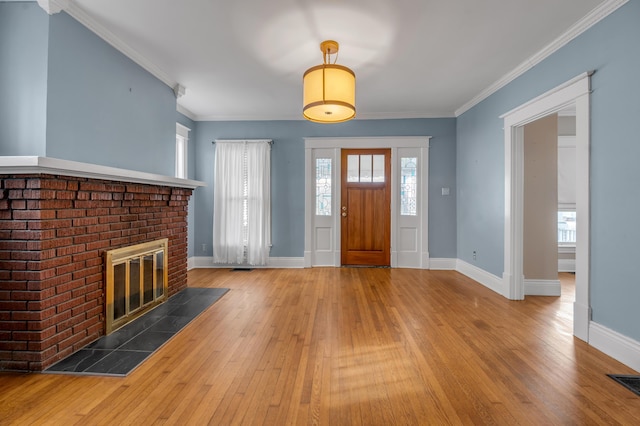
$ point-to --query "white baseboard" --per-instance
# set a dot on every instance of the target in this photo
(566, 265)
(442, 264)
(485, 278)
(198, 262)
(541, 287)
(616, 345)
(581, 320)
(285, 262)
(273, 262)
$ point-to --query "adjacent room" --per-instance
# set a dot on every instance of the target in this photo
(365, 212)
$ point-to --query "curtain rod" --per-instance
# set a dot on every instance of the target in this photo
(269, 141)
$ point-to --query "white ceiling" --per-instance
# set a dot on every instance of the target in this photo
(244, 59)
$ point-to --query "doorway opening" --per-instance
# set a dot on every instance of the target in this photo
(575, 91)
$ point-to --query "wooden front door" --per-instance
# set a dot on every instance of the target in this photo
(365, 207)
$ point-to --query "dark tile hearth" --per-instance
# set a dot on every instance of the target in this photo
(123, 350)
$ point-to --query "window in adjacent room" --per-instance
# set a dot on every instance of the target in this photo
(566, 190)
(182, 139)
(566, 227)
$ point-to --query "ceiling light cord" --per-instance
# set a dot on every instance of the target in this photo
(326, 57)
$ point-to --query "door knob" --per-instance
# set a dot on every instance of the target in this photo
(344, 214)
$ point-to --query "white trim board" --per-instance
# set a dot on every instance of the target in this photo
(191, 263)
(567, 249)
(196, 262)
(206, 262)
(542, 288)
(483, 277)
(566, 265)
(442, 264)
(616, 345)
(53, 6)
(492, 282)
(368, 142)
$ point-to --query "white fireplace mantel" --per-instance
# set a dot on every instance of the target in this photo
(55, 166)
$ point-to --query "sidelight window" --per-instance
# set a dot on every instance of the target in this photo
(408, 186)
(323, 186)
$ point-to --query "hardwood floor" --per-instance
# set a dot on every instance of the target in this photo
(345, 346)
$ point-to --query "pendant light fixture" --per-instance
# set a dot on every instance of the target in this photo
(329, 94)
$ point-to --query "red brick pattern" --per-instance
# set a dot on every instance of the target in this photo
(54, 231)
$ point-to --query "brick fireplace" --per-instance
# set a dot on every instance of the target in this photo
(55, 227)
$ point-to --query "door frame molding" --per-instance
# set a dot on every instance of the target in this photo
(576, 91)
(337, 144)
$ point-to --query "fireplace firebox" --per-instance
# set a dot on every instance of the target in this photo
(136, 281)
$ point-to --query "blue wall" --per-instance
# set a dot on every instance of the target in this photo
(287, 175)
(24, 31)
(68, 94)
(102, 107)
(610, 48)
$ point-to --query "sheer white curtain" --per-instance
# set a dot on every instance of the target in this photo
(242, 202)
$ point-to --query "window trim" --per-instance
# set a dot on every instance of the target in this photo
(182, 151)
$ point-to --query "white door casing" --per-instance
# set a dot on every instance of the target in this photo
(573, 91)
(409, 235)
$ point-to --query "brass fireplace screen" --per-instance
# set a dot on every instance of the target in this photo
(136, 281)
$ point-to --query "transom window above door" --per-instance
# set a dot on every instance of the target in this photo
(365, 168)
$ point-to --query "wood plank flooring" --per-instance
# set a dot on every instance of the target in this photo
(348, 346)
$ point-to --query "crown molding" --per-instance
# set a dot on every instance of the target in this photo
(403, 115)
(595, 16)
(247, 118)
(187, 113)
(179, 90)
(81, 16)
(54, 6)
